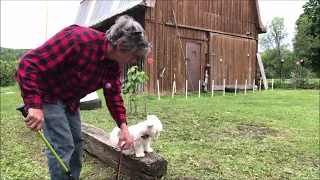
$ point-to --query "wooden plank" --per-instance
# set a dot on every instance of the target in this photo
(168, 13)
(156, 40)
(148, 13)
(96, 142)
(153, 67)
(153, 12)
(226, 7)
(164, 10)
(158, 11)
(243, 61)
(222, 22)
(219, 63)
(179, 13)
(201, 12)
(238, 50)
(213, 8)
(238, 16)
(232, 10)
(185, 12)
(145, 64)
(192, 6)
(245, 17)
(167, 60)
(191, 13)
(251, 74)
(212, 20)
(216, 58)
(241, 9)
(227, 59)
(175, 7)
(237, 9)
(222, 55)
(194, 38)
(208, 22)
(197, 13)
(212, 58)
(204, 20)
(230, 60)
(254, 64)
(217, 24)
(233, 57)
(172, 59)
(219, 7)
(161, 55)
(265, 83)
(233, 17)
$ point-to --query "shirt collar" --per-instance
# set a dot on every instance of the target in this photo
(104, 47)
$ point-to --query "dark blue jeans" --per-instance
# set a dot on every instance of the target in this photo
(63, 131)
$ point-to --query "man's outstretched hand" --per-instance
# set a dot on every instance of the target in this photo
(125, 137)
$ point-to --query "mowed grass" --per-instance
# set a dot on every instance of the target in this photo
(260, 135)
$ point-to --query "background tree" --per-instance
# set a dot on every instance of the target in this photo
(8, 64)
(8, 54)
(275, 49)
(306, 42)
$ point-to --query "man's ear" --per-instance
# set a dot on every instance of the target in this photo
(118, 45)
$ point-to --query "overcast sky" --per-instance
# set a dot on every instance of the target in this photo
(23, 23)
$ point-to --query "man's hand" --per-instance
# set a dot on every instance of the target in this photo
(125, 137)
(34, 119)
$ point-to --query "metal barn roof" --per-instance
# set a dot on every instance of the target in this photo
(92, 12)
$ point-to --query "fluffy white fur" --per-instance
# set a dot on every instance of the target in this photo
(150, 127)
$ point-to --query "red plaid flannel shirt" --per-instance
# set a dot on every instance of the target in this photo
(69, 66)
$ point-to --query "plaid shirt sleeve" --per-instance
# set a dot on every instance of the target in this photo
(114, 100)
(45, 58)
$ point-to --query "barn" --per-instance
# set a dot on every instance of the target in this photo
(191, 40)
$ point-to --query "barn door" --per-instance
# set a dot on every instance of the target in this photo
(193, 60)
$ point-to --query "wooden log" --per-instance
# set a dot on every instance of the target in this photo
(96, 142)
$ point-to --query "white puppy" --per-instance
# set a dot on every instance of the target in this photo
(141, 135)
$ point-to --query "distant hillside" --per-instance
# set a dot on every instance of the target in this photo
(8, 54)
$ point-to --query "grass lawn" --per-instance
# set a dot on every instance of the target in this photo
(261, 135)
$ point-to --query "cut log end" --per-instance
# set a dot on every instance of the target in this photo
(151, 166)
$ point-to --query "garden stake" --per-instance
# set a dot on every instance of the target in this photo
(25, 114)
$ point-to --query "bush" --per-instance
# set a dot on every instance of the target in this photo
(7, 70)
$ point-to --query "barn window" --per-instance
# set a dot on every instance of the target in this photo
(194, 54)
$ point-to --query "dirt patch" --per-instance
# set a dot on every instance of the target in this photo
(255, 131)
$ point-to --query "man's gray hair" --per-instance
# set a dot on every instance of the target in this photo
(131, 35)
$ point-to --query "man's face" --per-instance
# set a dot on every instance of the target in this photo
(124, 57)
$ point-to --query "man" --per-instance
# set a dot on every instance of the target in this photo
(73, 63)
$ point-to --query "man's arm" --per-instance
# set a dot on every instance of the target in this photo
(114, 100)
(45, 58)
(117, 110)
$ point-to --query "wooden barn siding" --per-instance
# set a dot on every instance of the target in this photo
(226, 16)
(230, 17)
(235, 64)
(165, 38)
